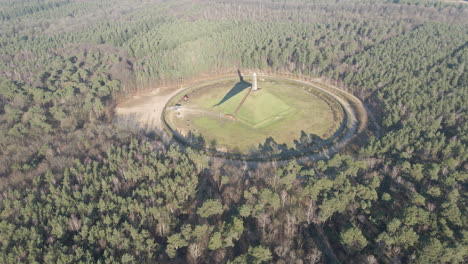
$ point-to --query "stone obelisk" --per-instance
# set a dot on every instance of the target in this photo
(254, 83)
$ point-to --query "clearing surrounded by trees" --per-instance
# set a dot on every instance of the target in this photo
(284, 116)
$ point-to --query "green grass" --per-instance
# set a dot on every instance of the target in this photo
(259, 106)
(280, 109)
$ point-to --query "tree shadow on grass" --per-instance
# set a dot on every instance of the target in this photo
(238, 87)
(270, 149)
(196, 139)
(306, 144)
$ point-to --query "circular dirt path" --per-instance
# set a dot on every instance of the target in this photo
(146, 111)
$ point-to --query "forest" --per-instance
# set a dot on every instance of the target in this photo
(77, 187)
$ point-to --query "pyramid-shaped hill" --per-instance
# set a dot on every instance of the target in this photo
(259, 109)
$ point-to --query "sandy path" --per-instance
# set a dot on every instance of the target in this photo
(145, 110)
(456, 1)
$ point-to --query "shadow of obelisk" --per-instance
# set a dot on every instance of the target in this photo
(238, 87)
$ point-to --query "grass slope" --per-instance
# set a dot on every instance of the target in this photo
(259, 106)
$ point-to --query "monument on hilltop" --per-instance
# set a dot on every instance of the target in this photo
(254, 82)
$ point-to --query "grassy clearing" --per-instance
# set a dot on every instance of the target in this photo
(280, 109)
